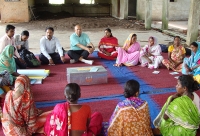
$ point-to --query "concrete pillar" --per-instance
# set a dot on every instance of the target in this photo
(123, 9)
(165, 14)
(148, 15)
(193, 22)
(126, 9)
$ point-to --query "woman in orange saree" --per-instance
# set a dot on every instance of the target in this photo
(131, 116)
(20, 116)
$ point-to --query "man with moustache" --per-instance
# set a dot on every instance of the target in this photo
(48, 46)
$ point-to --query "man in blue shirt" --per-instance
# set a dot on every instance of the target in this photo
(80, 46)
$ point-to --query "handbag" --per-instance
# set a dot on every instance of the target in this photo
(29, 58)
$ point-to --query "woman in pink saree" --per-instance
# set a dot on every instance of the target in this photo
(129, 53)
(71, 118)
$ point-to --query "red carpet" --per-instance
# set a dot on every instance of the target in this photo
(160, 99)
(161, 80)
(53, 86)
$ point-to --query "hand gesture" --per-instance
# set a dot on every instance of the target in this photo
(63, 59)
(51, 62)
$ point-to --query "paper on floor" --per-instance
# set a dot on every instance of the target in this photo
(176, 77)
(156, 72)
(173, 73)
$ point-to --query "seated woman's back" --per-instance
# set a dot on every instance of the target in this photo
(131, 116)
(71, 118)
(80, 117)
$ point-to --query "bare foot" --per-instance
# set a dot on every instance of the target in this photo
(117, 65)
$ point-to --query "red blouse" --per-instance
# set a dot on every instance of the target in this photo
(79, 118)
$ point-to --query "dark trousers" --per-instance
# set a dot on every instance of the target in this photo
(19, 65)
(76, 54)
(54, 56)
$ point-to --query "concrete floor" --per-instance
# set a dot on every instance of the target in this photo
(95, 35)
(183, 25)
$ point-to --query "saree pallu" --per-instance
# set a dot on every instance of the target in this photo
(20, 116)
(156, 57)
(176, 56)
(129, 57)
(184, 117)
(130, 118)
(192, 61)
(7, 62)
(58, 123)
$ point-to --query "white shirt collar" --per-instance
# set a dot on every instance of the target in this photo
(48, 39)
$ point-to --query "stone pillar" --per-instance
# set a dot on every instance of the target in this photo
(165, 14)
(148, 15)
(193, 21)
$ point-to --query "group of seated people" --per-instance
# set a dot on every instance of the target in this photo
(179, 115)
(80, 47)
(150, 55)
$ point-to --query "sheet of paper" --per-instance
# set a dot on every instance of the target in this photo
(83, 68)
(31, 72)
(176, 77)
(156, 72)
(173, 73)
(36, 77)
(36, 81)
(94, 69)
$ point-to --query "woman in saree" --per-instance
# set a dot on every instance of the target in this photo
(180, 116)
(131, 116)
(20, 116)
(191, 64)
(71, 118)
(7, 62)
(129, 53)
(150, 55)
(107, 46)
(176, 54)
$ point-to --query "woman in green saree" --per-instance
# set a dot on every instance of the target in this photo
(180, 116)
(7, 62)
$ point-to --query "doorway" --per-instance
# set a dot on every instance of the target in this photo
(132, 7)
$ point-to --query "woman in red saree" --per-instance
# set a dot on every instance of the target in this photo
(71, 118)
(20, 116)
(107, 46)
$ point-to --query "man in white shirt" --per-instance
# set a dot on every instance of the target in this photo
(48, 45)
(8, 39)
(21, 41)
